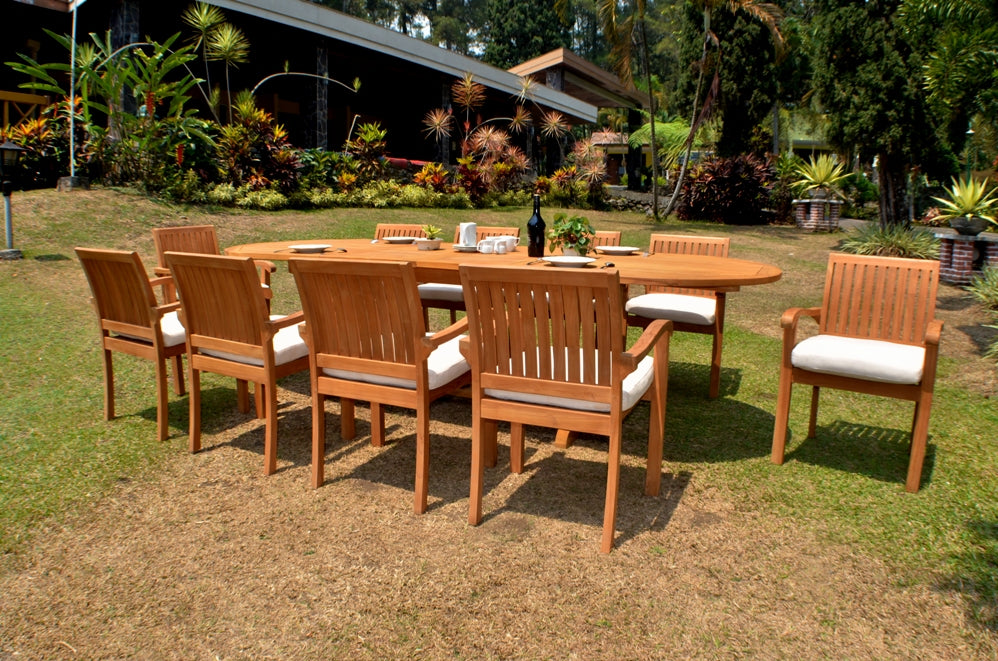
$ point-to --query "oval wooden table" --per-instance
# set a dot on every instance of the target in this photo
(697, 271)
(722, 273)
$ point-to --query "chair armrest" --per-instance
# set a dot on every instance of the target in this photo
(161, 279)
(266, 268)
(167, 308)
(792, 316)
(646, 342)
(431, 342)
(933, 332)
(161, 270)
(465, 347)
(288, 320)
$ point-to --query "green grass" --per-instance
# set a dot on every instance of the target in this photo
(57, 454)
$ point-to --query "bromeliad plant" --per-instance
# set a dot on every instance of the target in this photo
(968, 198)
(820, 176)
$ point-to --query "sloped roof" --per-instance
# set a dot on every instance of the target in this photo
(583, 80)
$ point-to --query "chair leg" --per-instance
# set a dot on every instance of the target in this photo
(195, 410)
(919, 439)
(490, 430)
(377, 424)
(259, 398)
(812, 423)
(108, 386)
(270, 428)
(453, 317)
(242, 395)
(477, 468)
(782, 416)
(715, 366)
(348, 426)
(178, 376)
(422, 458)
(516, 447)
(564, 438)
(318, 438)
(162, 401)
(656, 421)
(612, 487)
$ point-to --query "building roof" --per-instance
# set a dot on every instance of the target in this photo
(583, 80)
(321, 20)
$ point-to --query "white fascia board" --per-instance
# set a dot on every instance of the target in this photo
(322, 20)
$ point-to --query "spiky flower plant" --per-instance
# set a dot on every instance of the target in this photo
(968, 197)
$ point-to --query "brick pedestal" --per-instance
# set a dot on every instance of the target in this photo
(818, 215)
(960, 256)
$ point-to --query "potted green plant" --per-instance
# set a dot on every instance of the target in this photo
(968, 206)
(573, 234)
(820, 176)
(432, 240)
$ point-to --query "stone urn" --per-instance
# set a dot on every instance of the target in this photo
(968, 225)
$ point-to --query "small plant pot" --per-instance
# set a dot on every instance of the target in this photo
(968, 225)
(429, 244)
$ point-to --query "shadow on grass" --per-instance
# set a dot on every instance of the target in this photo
(976, 574)
(877, 452)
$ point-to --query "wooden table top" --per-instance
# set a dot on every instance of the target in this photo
(442, 265)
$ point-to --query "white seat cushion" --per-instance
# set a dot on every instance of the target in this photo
(674, 307)
(288, 346)
(872, 360)
(173, 330)
(444, 365)
(438, 291)
(635, 385)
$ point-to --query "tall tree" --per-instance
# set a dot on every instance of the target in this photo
(711, 60)
(518, 30)
(868, 78)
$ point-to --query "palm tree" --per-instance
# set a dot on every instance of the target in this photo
(203, 19)
(766, 13)
(228, 44)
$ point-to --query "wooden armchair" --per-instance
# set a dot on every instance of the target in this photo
(382, 230)
(367, 341)
(876, 335)
(546, 348)
(200, 239)
(450, 297)
(132, 322)
(230, 332)
(690, 310)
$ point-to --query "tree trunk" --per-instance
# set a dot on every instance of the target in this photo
(891, 179)
(651, 110)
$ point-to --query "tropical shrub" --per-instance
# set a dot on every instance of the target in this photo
(893, 241)
(734, 191)
(984, 288)
(254, 150)
(368, 148)
(435, 177)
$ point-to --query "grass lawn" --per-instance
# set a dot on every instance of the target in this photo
(59, 459)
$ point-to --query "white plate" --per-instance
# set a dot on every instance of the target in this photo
(617, 250)
(310, 247)
(398, 239)
(569, 260)
(462, 248)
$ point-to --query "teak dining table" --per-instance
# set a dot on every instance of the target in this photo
(698, 271)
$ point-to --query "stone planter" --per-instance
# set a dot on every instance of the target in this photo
(818, 214)
(968, 225)
(429, 244)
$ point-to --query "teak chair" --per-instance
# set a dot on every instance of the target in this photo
(876, 335)
(690, 310)
(451, 297)
(381, 230)
(230, 332)
(367, 341)
(200, 239)
(606, 238)
(546, 348)
(132, 322)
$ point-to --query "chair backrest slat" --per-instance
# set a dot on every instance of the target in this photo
(561, 326)
(360, 309)
(220, 296)
(880, 298)
(382, 230)
(680, 244)
(188, 238)
(606, 238)
(119, 285)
